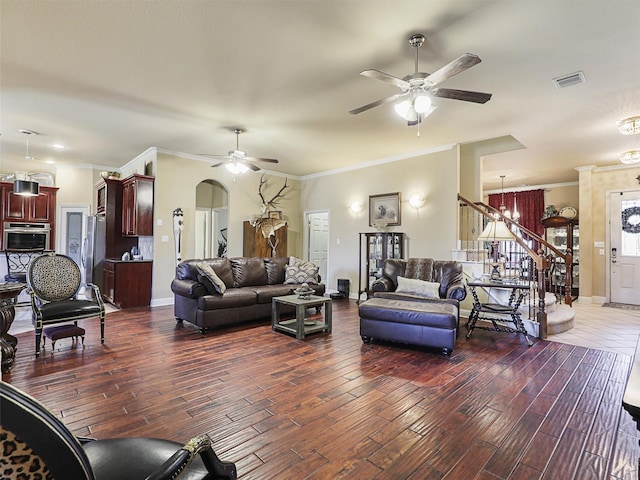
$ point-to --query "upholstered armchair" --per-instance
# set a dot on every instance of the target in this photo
(36, 444)
(54, 282)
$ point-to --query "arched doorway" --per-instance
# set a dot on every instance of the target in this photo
(211, 222)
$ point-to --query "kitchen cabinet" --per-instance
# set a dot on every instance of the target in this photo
(109, 204)
(255, 245)
(38, 209)
(378, 247)
(127, 284)
(137, 206)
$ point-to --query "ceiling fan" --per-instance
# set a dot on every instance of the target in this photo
(237, 161)
(418, 87)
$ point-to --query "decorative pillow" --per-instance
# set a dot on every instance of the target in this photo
(418, 287)
(306, 272)
(208, 277)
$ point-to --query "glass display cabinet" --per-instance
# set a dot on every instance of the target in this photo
(375, 248)
(564, 234)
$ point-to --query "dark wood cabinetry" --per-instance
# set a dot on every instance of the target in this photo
(255, 245)
(38, 209)
(109, 192)
(564, 234)
(137, 205)
(127, 284)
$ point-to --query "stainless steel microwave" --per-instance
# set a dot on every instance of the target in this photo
(26, 236)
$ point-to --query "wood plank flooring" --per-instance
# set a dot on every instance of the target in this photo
(330, 407)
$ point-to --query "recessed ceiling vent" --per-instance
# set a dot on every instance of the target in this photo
(569, 80)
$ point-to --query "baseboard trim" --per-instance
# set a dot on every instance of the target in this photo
(161, 302)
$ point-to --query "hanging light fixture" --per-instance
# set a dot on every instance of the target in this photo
(630, 157)
(629, 126)
(497, 231)
(516, 213)
(26, 187)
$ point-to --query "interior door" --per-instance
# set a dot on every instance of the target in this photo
(625, 247)
(318, 223)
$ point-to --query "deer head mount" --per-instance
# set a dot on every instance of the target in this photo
(275, 200)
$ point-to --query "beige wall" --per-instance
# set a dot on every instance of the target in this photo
(175, 186)
(595, 186)
(430, 230)
(563, 196)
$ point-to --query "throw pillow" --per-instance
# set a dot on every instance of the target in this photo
(305, 273)
(421, 288)
(210, 279)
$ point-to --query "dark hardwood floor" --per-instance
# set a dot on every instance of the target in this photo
(331, 407)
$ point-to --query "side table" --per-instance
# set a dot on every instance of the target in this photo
(496, 313)
(8, 297)
(300, 326)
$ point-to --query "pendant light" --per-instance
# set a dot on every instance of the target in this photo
(26, 187)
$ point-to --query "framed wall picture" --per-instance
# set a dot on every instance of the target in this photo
(384, 209)
(277, 214)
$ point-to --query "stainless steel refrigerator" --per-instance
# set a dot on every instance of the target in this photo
(93, 249)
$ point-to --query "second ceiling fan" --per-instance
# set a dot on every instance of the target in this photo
(414, 102)
(237, 161)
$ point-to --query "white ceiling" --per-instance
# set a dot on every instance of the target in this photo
(111, 78)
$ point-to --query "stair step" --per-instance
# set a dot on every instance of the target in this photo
(561, 320)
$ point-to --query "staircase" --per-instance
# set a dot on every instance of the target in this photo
(527, 258)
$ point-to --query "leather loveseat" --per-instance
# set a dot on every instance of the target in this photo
(425, 311)
(249, 285)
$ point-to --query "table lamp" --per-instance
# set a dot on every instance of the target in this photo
(496, 231)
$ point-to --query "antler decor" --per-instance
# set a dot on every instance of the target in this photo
(269, 225)
(274, 202)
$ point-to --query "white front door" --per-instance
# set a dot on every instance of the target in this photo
(319, 241)
(625, 247)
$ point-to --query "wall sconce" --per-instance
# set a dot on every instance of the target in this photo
(416, 201)
(356, 207)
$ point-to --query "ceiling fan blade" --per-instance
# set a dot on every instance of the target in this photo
(382, 101)
(466, 95)
(458, 65)
(217, 157)
(385, 77)
(217, 164)
(260, 159)
(252, 166)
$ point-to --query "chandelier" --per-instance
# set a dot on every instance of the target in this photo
(630, 157)
(629, 126)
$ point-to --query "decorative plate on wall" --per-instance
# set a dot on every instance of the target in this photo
(568, 212)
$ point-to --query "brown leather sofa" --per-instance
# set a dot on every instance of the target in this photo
(447, 273)
(412, 318)
(250, 283)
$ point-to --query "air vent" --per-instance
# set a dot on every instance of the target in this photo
(569, 80)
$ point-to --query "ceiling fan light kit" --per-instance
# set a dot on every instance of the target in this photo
(237, 162)
(418, 88)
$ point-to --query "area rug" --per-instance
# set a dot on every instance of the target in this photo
(624, 306)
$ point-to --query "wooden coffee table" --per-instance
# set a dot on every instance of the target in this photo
(300, 326)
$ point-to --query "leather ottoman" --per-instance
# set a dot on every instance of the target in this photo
(429, 324)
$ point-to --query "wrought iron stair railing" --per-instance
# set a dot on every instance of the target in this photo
(528, 258)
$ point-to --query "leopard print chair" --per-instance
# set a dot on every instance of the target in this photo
(37, 446)
(54, 281)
